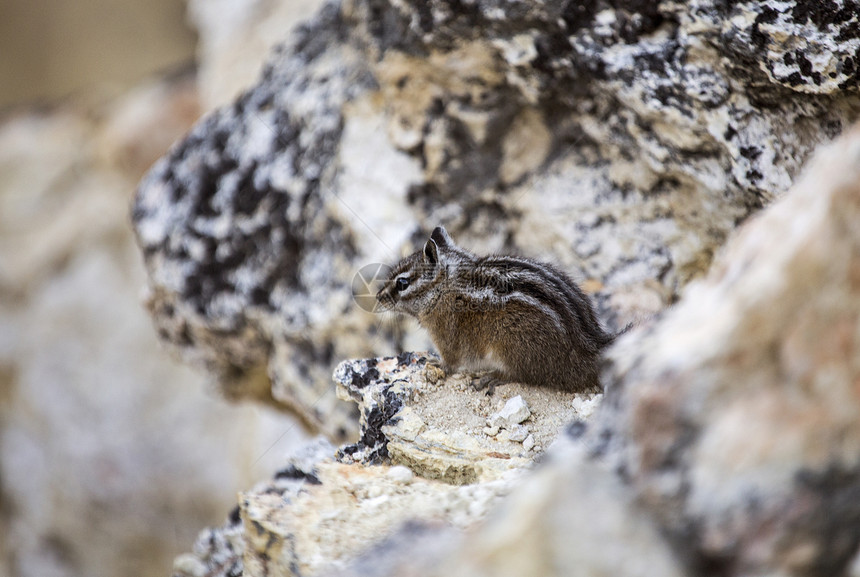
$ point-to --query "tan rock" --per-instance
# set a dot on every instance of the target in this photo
(740, 408)
(437, 427)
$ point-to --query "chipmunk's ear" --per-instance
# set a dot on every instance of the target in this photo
(440, 237)
(431, 252)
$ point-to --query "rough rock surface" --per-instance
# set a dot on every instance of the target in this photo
(624, 140)
(424, 460)
(441, 428)
(112, 455)
(736, 418)
(570, 517)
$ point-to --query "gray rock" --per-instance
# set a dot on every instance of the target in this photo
(518, 433)
(529, 442)
(729, 440)
(243, 252)
(623, 140)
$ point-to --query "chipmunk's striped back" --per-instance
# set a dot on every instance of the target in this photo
(551, 288)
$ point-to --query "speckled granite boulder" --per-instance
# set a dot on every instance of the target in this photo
(624, 140)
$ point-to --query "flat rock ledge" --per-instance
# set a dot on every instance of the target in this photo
(433, 452)
(441, 428)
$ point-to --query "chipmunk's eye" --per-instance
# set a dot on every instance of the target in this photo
(401, 284)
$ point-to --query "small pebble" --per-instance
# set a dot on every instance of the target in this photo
(513, 413)
(518, 433)
(400, 474)
(491, 431)
(515, 410)
(529, 442)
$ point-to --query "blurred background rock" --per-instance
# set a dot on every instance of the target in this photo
(112, 456)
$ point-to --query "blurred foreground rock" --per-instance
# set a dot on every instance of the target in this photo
(736, 420)
(111, 454)
(624, 140)
(728, 442)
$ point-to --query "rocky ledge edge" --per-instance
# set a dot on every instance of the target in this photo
(432, 451)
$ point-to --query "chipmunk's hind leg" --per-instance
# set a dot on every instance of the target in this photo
(489, 382)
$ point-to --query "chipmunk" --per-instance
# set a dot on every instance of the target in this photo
(523, 320)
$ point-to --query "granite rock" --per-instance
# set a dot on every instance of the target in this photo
(736, 417)
(412, 416)
(422, 466)
(623, 140)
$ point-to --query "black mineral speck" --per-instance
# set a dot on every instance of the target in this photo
(359, 380)
(235, 516)
(766, 16)
(750, 152)
(293, 472)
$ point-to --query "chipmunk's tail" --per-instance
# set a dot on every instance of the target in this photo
(622, 331)
(611, 337)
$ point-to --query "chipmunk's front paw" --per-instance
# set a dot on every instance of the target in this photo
(435, 368)
(488, 382)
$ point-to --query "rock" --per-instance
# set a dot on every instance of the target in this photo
(736, 417)
(624, 141)
(401, 474)
(529, 442)
(203, 285)
(570, 517)
(326, 524)
(112, 454)
(436, 427)
(729, 440)
(514, 412)
(413, 466)
(317, 514)
(518, 433)
(743, 393)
